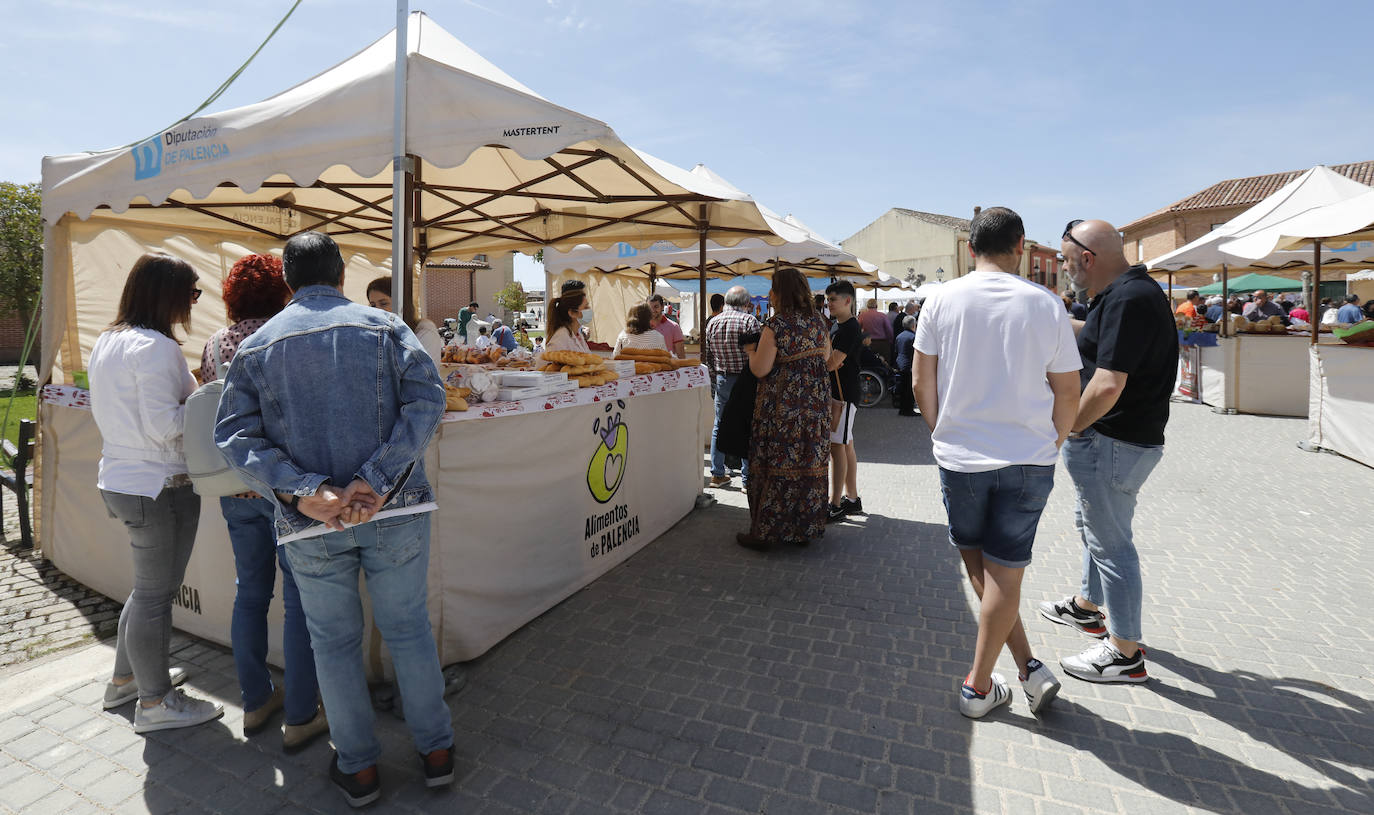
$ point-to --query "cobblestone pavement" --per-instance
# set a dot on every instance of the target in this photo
(700, 677)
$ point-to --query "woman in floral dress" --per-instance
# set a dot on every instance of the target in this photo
(789, 450)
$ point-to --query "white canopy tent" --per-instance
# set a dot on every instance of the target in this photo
(492, 167)
(1315, 188)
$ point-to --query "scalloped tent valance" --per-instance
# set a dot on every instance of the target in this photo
(497, 167)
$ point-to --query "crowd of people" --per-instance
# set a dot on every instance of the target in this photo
(1259, 305)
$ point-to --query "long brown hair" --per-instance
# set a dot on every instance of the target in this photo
(791, 295)
(560, 309)
(640, 319)
(157, 295)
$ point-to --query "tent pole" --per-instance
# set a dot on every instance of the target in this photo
(401, 178)
(1225, 301)
(1171, 289)
(1316, 287)
(701, 298)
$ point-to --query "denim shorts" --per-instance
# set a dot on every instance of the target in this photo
(997, 511)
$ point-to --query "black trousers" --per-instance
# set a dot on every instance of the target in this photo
(906, 401)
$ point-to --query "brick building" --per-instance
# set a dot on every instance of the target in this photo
(12, 328)
(1190, 218)
(451, 284)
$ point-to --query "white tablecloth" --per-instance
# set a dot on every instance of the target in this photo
(1341, 416)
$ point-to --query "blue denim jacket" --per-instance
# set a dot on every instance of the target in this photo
(330, 390)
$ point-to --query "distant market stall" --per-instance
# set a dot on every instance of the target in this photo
(1260, 372)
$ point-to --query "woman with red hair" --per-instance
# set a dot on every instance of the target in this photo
(254, 291)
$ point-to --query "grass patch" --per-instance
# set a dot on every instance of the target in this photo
(25, 406)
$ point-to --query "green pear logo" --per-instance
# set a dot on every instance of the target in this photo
(607, 468)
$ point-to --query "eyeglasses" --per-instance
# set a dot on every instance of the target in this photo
(1068, 236)
(195, 295)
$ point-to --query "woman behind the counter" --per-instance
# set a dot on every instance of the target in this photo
(379, 296)
(566, 313)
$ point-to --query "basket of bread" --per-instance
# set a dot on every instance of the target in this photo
(1269, 325)
(653, 360)
(494, 356)
(584, 368)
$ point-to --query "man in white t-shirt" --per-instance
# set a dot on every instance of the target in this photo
(996, 378)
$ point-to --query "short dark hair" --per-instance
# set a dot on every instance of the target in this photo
(843, 287)
(157, 295)
(1352, 298)
(381, 284)
(472, 304)
(995, 231)
(1192, 293)
(312, 259)
(657, 298)
(717, 301)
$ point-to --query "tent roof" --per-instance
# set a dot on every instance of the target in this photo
(498, 167)
(804, 250)
(1251, 282)
(1316, 187)
(1346, 219)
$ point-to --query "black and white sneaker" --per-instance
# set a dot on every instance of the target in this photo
(833, 513)
(1067, 612)
(1103, 663)
(976, 705)
(1040, 686)
(359, 789)
(852, 507)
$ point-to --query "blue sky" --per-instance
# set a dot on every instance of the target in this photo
(834, 111)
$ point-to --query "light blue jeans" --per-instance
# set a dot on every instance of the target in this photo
(394, 556)
(1107, 474)
(725, 383)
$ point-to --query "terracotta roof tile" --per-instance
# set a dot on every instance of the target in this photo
(947, 221)
(455, 263)
(1236, 192)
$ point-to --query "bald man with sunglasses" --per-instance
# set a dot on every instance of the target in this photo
(1129, 347)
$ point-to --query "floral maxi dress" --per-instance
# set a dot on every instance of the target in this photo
(789, 448)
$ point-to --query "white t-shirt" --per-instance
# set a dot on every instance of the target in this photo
(996, 336)
(648, 340)
(483, 342)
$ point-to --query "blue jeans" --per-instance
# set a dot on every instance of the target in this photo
(394, 555)
(1107, 474)
(724, 384)
(255, 566)
(997, 511)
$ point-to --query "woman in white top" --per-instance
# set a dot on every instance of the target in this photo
(379, 296)
(566, 314)
(139, 383)
(639, 331)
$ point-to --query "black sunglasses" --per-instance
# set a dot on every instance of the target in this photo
(1068, 236)
(195, 295)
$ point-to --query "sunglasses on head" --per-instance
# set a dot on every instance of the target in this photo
(1068, 236)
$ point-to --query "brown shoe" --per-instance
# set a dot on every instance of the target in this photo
(720, 480)
(750, 542)
(297, 737)
(255, 720)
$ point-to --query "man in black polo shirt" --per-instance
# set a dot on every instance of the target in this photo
(1129, 346)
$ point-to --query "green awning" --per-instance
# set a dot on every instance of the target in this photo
(1247, 283)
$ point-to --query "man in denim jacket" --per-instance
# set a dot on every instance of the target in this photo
(327, 410)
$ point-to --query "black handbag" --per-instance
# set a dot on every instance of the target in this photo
(737, 417)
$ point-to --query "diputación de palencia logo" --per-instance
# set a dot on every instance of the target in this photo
(188, 144)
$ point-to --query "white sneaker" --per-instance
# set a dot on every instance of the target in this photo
(976, 705)
(1040, 686)
(116, 695)
(175, 710)
(1103, 663)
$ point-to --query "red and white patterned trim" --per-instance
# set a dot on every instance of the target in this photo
(675, 380)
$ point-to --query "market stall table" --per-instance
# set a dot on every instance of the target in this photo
(1257, 373)
(536, 500)
(1342, 401)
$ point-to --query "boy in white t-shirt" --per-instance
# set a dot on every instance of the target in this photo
(996, 378)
